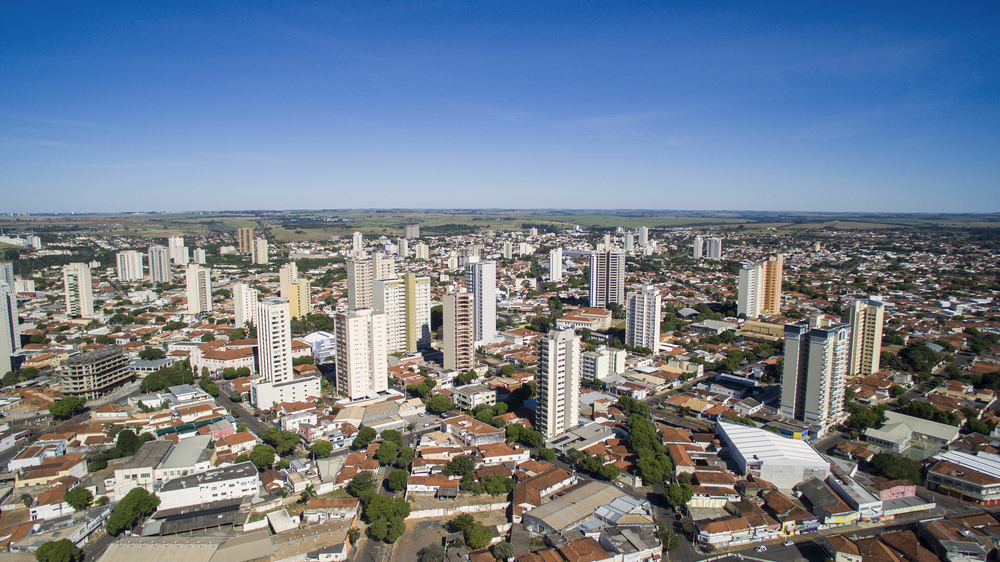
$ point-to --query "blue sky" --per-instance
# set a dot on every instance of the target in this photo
(836, 106)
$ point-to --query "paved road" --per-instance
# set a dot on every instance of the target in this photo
(255, 426)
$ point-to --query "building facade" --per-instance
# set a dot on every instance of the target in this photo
(866, 318)
(244, 304)
(361, 275)
(481, 281)
(607, 278)
(129, 266)
(159, 265)
(559, 366)
(259, 254)
(94, 373)
(457, 323)
(815, 372)
(10, 337)
(199, 289)
(642, 318)
(406, 303)
(555, 265)
(245, 240)
(362, 367)
(759, 289)
(78, 291)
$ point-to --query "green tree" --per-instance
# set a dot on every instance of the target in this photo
(895, 468)
(151, 353)
(463, 521)
(209, 387)
(609, 472)
(27, 500)
(67, 407)
(238, 334)
(439, 404)
(284, 442)
(668, 538)
(387, 452)
(79, 498)
(398, 479)
(363, 483)
(392, 435)
(433, 553)
(547, 455)
(205, 338)
(502, 551)
(353, 535)
(459, 466)
(128, 442)
(364, 438)
(896, 391)
(262, 457)
(62, 550)
(406, 456)
(478, 536)
(321, 449)
(137, 503)
(674, 495)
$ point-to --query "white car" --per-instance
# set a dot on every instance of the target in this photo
(788, 543)
(761, 548)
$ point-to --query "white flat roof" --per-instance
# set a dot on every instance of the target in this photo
(759, 445)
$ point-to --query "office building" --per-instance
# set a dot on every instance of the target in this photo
(481, 281)
(357, 245)
(457, 322)
(714, 249)
(406, 303)
(274, 347)
(259, 254)
(199, 289)
(642, 318)
(299, 298)
(129, 266)
(558, 380)
(607, 278)
(865, 318)
(159, 265)
(759, 288)
(602, 363)
(643, 236)
(199, 256)
(178, 251)
(362, 367)
(77, 287)
(699, 244)
(361, 273)
(288, 274)
(813, 380)
(244, 304)
(10, 337)
(555, 265)
(245, 240)
(93, 374)
(411, 231)
(402, 248)
(422, 251)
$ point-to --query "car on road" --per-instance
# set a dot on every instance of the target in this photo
(427, 425)
(761, 548)
(788, 543)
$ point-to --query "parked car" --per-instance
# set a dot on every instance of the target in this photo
(761, 548)
(787, 543)
(427, 425)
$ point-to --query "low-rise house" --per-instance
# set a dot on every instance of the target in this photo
(322, 511)
(502, 453)
(473, 432)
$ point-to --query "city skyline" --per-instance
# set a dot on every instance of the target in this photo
(790, 107)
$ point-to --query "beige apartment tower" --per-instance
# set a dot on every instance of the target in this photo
(865, 318)
(814, 376)
(361, 273)
(406, 303)
(759, 287)
(457, 323)
(559, 367)
(299, 298)
(245, 240)
(362, 364)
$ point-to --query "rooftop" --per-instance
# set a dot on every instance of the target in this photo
(242, 470)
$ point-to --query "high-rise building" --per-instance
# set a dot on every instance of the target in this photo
(481, 281)
(406, 303)
(555, 265)
(79, 294)
(361, 273)
(714, 249)
(607, 278)
(402, 248)
(7, 274)
(199, 256)
(457, 322)
(159, 265)
(411, 231)
(259, 254)
(607, 240)
(288, 274)
(93, 374)
(129, 266)
(642, 318)
(759, 288)
(244, 304)
(245, 240)
(865, 318)
(602, 363)
(10, 337)
(178, 251)
(814, 377)
(362, 366)
(277, 382)
(508, 250)
(422, 251)
(558, 379)
(299, 300)
(357, 244)
(629, 241)
(199, 289)
(699, 244)
(643, 236)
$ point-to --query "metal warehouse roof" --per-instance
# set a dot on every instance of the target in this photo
(759, 445)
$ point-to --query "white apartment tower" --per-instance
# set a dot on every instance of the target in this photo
(7, 274)
(602, 363)
(259, 254)
(274, 340)
(361, 273)
(402, 248)
(199, 289)
(457, 321)
(244, 304)
(129, 266)
(481, 281)
(865, 318)
(643, 236)
(288, 274)
(357, 244)
(629, 241)
(159, 265)
(362, 367)
(714, 249)
(759, 288)
(79, 294)
(10, 339)
(199, 256)
(607, 278)
(558, 379)
(178, 251)
(817, 352)
(508, 250)
(699, 244)
(406, 303)
(422, 251)
(555, 265)
(411, 231)
(642, 318)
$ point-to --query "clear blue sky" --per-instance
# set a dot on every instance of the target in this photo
(885, 106)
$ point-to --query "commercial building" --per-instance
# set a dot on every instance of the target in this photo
(607, 278)
(129, 266)
(865, 318)
(558, 379)
(244, 304)
(159, 265)
(137, 472)
(471, 395)
(759, 289)
(473, 432)
(78, 291)
(602, 363)
(815, 372)
(245, 239)
(189, 456)
(362, 367)
(199, 289)
(781, 461)
(411, 231)
(231, 482)
(481, 281)
(457, 323)
(901, 431)
(10, 337)
(642, 318)
(362, 273)
(601, 502)
(406, 303)
(259, 254)
(973, 478)
(94, 373)
(555, 265)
